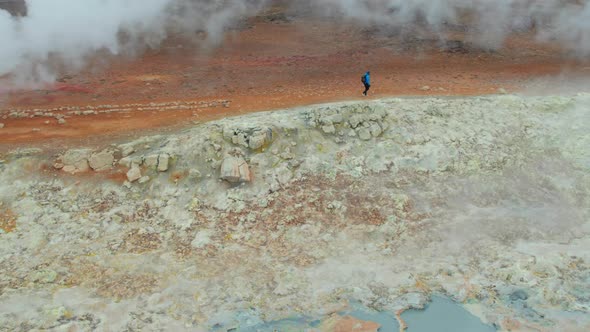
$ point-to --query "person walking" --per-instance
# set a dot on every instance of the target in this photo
(366, 79)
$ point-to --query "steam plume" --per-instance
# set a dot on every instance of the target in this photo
(68, 31)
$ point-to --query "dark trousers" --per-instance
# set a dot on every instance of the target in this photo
(367, 87)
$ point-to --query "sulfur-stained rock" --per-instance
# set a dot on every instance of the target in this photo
(257, 140)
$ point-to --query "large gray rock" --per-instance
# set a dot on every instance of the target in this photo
(101, 160)
(235, 169)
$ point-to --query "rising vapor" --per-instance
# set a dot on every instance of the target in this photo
(58, 33)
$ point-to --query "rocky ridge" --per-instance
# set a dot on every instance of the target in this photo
(485, 200)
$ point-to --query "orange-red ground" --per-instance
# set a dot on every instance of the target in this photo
(269, 66)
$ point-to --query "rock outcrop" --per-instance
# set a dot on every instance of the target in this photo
(253, 138)
(101, 160)
(350, 205)
(75, 160)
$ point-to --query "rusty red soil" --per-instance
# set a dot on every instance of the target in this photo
(268, 66)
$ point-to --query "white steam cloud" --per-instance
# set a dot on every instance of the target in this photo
(58, 33)
(489, 22)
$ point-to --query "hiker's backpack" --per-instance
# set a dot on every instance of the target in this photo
(363, 80)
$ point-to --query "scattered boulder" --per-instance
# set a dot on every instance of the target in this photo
(134, 173)
(76, 160)
(144, 179)
(101, 160)
(234, 169)
(163, 161)
(1, 125)
(61, 121)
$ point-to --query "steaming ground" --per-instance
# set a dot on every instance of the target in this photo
(61, 35)
(485, 200)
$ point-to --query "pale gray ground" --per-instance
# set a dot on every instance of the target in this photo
(486, 200)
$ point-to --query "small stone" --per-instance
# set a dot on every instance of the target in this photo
(144, 179)
(1, 125)
(58, 165)
(502, 91)
(194, 174)
(163, 161)
(425, 88)
(134, 173)
(69, 169)
(61, 121)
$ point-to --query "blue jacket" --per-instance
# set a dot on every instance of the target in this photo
(367, 78)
